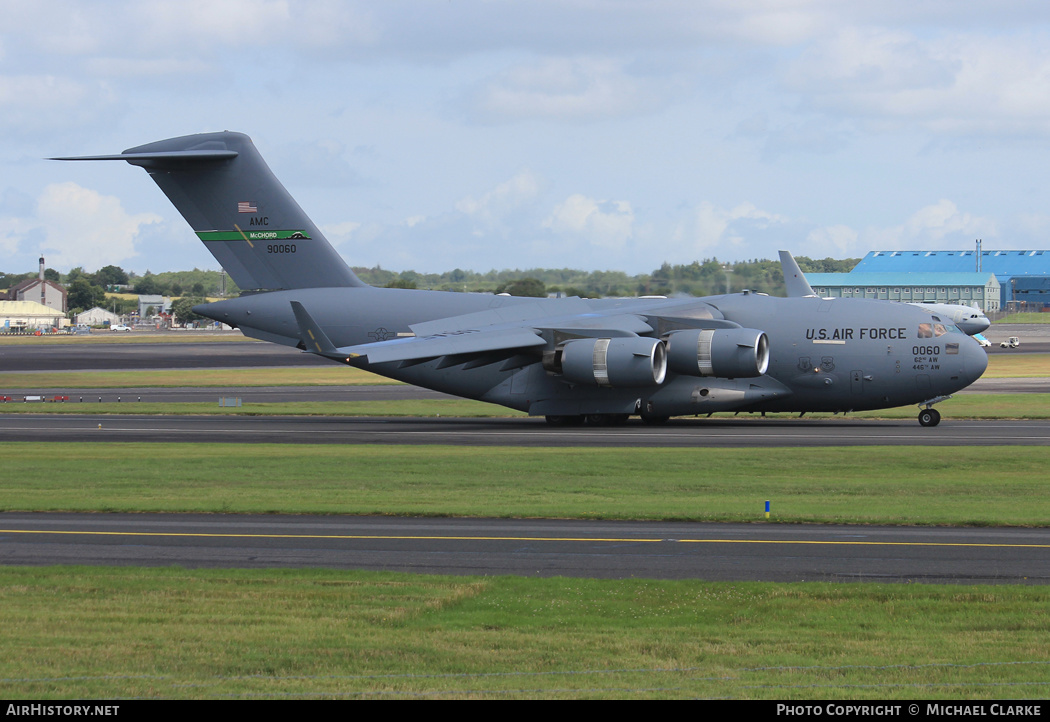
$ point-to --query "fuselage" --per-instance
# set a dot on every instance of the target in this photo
(824, 354)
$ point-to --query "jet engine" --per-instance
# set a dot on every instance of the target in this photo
(722, 352)
(614, 362)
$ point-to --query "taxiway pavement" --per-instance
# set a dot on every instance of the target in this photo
(596, 549)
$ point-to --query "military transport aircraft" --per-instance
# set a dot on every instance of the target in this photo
(572, 360)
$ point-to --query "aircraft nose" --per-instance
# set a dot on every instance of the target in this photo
(975, 360)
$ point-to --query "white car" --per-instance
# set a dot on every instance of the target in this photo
(120, 327)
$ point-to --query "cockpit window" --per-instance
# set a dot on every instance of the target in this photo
(936, 330)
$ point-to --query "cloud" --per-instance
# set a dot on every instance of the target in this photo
(38, 105)
(506, 198)
(834, 242)
(961, 84)
(713, 229)
(605, 224)
(937, 226)
(574, 89)
(85, 228)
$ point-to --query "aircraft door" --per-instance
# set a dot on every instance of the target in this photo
(856, 382)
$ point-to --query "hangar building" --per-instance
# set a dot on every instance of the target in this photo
(911, 287)
(1023, 276)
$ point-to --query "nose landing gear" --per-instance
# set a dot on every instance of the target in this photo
(930, 416)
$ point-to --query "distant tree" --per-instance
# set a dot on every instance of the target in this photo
(80, 294)
(524, 287)
(400, 283)
(182, 308)
(148, 286)
(110, 276)
(51, 274)
(75, 273)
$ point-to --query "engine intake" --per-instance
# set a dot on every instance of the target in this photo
(722, 352)
(613, 362)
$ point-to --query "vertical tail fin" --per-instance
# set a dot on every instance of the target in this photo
(794, 279)
(223, 188)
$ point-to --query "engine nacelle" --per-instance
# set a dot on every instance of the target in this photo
(723, 352)
(614, 362)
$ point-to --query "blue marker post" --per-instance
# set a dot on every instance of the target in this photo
(767, 509)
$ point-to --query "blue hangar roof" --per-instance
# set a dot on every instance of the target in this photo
(1004, 264)
(899, 278)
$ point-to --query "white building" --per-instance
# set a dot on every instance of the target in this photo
(97, 317)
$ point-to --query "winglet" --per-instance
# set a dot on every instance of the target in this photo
(794, 279)
(314, 339)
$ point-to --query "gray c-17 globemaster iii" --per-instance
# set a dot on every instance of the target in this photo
(572, 360)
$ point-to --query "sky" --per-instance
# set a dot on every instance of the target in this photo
(499, 134)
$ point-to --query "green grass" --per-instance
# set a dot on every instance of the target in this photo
(172, 378)
(134, 337)
(86, 633)
(1025, 318)
(873, 485)
(409, 407)
(967, 406)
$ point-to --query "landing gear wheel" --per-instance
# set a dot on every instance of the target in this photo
(565, 420)
(606, 419)
(655, 420)
(929, 417)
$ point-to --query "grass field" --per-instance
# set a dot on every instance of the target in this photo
(109, 633)
(134, 337)
(908, 485)
(334, 375)
(1025, 318)
(968, 406)
(106, 633)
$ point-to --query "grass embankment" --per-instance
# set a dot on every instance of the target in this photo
(78, 633)
(969, 406)
(876, 485)
(1025, 318)
(974, 406)
(123, 337)
(181, 378)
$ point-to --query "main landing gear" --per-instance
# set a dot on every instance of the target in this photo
(589, 419)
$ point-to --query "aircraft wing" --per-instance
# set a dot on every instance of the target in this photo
(455, 343)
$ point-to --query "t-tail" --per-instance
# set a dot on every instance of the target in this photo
(258, 233)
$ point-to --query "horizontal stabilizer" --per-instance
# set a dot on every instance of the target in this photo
(313, 338)
(161, 157)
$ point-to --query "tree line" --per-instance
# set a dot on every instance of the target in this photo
(700, 278)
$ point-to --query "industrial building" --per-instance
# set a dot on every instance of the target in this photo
(1023, 276)
(911, 287)
(21, 316)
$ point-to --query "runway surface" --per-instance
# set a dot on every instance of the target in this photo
(543, 548)
(521, 547)
(691, 433)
